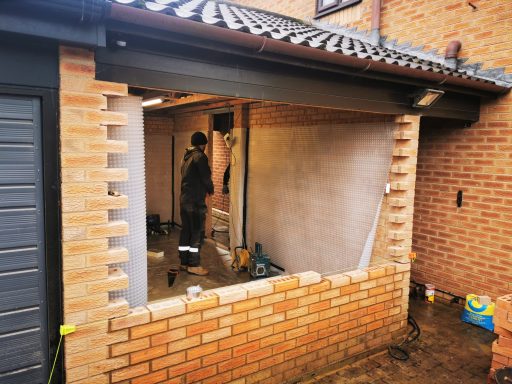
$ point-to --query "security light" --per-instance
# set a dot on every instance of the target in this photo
(150, 102)
(425, 98)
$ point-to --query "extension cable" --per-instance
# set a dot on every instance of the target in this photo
(397, 351)
(65, 329)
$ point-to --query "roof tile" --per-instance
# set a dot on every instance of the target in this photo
(333, 38)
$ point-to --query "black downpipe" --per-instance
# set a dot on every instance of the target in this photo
(172, 182)
(246, 174)
(81, 11)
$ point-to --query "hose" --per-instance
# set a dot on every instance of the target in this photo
(397, 351)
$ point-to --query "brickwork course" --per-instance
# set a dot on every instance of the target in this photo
(465, 250)
(267, 331)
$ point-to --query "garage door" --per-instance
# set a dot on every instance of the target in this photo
(23, 324)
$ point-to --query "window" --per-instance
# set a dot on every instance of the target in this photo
(324, 7)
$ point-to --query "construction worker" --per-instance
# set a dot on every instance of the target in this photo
(196, 183)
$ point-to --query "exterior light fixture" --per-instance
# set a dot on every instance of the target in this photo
(425, 98)
(150, 102)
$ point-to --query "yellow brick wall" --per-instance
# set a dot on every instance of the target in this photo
(266, 331)
(86, 256)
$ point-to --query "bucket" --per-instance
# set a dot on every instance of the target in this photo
(430, 291)
(172, 273)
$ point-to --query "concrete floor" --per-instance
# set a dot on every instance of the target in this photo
(447, 352)
(214, 257)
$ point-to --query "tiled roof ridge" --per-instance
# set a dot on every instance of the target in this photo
(496, 75)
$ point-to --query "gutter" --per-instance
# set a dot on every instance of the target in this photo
(261, 44)
(71, 21)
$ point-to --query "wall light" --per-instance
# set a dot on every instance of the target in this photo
(150, 102)
(425, 98)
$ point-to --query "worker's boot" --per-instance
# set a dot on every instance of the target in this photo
(199, 271)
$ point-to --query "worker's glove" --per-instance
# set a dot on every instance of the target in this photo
(225, 189)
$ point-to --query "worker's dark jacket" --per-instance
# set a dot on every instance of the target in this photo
(196, 177)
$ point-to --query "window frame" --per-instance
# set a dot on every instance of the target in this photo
(336, 6)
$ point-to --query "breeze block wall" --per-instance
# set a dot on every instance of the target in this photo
(87, 278)
(265, 331)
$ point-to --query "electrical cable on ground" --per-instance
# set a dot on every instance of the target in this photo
(397, 351)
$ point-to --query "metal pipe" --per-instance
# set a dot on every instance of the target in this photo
(452, 53)
(375, 26)
(262, 44)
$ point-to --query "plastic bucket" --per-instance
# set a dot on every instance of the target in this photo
(430, 291)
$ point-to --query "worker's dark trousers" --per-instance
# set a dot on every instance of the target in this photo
(192, 233)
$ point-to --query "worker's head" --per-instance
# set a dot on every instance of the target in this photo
(199, 140)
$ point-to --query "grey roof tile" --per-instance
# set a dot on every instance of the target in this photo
(333, 38)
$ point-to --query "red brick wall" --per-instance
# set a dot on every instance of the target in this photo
(221, 156)
(158, 156)
(465, 250)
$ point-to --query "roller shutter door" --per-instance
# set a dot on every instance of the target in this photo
(23, 317)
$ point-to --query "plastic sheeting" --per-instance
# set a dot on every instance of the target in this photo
(314, 193)
(135, 189)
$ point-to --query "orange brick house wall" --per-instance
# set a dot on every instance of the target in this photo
(468, 249)
(220, 161)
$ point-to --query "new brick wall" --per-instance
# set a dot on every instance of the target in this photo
(266, 331)
(221, 156)
(86, 256)
(158, 132)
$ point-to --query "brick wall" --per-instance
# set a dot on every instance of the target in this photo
(87, 278)
(266, 331)
(468, 249)
(158, 149)
(464, 250)
(221, 156)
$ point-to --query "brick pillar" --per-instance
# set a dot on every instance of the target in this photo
(87, 278)
(402, 179)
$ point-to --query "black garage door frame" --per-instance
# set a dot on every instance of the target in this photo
(51, 195)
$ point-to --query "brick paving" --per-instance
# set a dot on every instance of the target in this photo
(448, 351)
